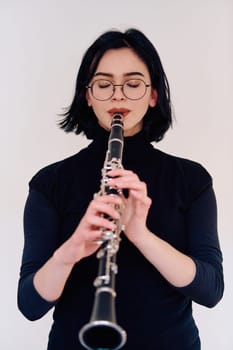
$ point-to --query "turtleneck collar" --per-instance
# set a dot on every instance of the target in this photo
(135, 147)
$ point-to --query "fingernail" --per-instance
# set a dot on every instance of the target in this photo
(107, 180)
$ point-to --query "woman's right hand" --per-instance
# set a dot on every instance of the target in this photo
(50, 279)
(85, 239)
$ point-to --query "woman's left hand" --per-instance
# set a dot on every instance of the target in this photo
(177, 268)
(135, 206)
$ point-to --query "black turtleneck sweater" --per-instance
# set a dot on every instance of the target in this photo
(155, 314)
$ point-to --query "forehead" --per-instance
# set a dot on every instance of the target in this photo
(120, 62)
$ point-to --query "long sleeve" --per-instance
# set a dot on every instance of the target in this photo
(41, 227)
(203, 246)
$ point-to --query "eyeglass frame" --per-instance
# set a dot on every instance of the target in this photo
(114, 89)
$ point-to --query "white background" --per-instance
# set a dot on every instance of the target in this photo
(42, 43)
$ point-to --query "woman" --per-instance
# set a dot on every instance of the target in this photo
(169, 253)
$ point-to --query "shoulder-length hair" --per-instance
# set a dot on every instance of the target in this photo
(81, 118)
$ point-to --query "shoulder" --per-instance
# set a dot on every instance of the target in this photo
(191, 174)
(187, 166)
(47, 178)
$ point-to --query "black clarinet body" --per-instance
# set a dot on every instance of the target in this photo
(102, 332)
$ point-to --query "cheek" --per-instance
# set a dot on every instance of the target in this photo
(144, 107)
(97, 109)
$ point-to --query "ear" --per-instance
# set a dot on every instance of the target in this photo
(88, 98)
(154, 98)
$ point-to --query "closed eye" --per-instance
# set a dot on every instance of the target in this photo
(103, 84)
(133, 83)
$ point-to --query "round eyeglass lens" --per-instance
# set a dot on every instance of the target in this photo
(134, 89)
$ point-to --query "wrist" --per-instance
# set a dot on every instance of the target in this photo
(139, 236)
(62, 257)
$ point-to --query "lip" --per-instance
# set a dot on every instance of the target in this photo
(123, 111)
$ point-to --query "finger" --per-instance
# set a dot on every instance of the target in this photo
(107, 199)
(96, 237)
(130, 183)
(99, 222)
(110, 200)
(120, 172)
(129, 175)
(98, 208)
(97, 242)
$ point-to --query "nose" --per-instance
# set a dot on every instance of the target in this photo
(118, 93)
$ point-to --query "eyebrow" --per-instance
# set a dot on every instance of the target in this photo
(109, 75)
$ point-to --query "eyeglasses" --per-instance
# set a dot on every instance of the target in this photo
(133, 89)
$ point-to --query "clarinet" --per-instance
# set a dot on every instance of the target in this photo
(102, 332)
